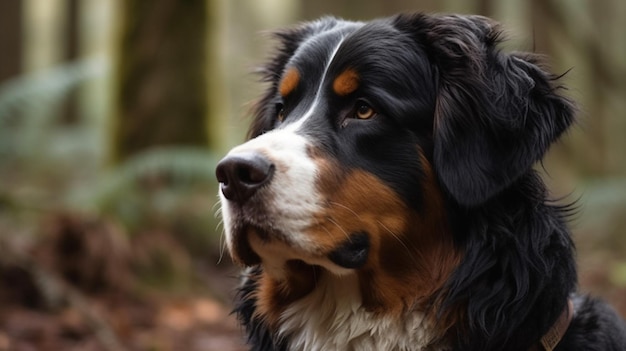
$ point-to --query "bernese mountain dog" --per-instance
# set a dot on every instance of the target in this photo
(386, 198)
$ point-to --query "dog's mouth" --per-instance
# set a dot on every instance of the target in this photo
(253, 245)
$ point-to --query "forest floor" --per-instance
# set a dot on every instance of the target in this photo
(41, 311)
(118, 322)
(157, 324)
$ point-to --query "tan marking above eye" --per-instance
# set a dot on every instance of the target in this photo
(346, 83)
(290, 81)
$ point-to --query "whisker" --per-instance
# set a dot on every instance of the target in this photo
(222, 244)
(397, 237)
(217, 213)
(345, 207)
(222, 241)
(339, 226)
(327, 231)
(220, 224)
(217, 203)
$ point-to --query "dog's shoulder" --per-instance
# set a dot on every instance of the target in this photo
(595, 326)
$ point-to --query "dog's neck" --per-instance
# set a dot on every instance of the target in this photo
(333, 317)
(392, 303)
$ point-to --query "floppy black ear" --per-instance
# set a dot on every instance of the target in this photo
(496, 113)
(289, 40)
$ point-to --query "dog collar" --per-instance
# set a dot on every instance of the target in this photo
(557, 331)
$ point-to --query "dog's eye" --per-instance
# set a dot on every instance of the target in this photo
(280, 112)
(364, 111)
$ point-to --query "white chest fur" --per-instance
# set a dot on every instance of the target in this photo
(332, 318)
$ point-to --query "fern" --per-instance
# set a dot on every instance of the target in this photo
(182, 165)
(61, 166)
(52, 167)
(28, 104)
(45, 89)
(122, 193)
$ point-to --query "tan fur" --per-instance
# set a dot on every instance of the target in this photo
(289, 82)
(346, 83)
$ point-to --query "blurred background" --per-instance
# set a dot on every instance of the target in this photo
(113, 114)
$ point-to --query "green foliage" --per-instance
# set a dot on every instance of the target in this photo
(603, 214)
(182, 166)
(47, 165)
(30, 104)
(164, 198)
(172, 187)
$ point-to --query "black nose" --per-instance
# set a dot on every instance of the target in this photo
(241, 175)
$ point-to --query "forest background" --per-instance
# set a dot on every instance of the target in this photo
(113, 114)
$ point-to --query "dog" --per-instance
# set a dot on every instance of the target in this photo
(386, 198)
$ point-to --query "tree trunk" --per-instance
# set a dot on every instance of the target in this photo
(364, 10)
(161, 88)
(10, 39)
(72, 53)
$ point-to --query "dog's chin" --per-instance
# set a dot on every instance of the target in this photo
(253, 245)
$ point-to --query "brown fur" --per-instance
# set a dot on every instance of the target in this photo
(346, 83)
(289, 82)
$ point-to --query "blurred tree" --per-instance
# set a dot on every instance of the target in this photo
(361, 10)
(564, 30)
(485, 7)
(161, 89)
(10, 38)
(72, 53)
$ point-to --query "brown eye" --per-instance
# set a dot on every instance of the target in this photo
(364, 111)
(280, 112)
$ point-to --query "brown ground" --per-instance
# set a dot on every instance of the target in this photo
(50, 303)
(160, 324)
(119, 322)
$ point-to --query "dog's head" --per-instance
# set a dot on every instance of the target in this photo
(369, 136)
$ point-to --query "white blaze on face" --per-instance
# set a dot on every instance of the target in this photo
(290, 200)
(318, 93)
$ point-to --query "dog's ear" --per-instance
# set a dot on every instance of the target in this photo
(496, 113)
(289, 39)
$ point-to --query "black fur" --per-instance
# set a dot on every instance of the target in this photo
(483, 118)
(260, 338)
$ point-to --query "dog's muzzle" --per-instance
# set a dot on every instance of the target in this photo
(274, 210)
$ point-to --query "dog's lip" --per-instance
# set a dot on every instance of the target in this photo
(242, 251)
(353, 252)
